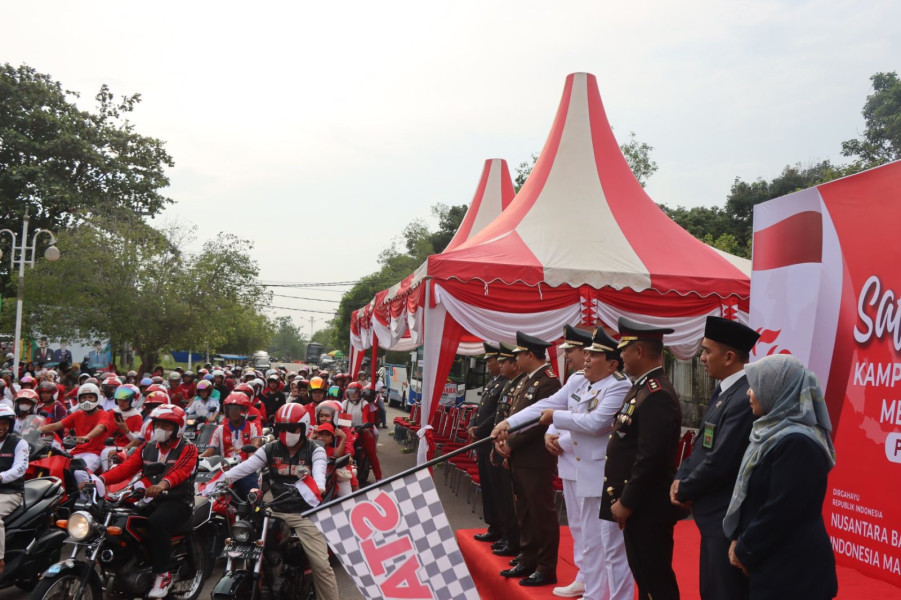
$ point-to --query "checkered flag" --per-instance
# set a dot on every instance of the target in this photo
(395, 541)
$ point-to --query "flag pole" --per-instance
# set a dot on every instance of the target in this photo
(425, 465)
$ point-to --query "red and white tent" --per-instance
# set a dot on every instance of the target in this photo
(582, 242)
(393, 319)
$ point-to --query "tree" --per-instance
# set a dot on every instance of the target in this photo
(287, 343)
(131, 284)
(881, 141)
(66, 165)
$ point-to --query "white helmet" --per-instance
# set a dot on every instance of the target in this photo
(257, 384)
(88, 388)
(218, 373)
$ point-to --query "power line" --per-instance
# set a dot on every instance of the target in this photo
(321, 312)
(304, 298)
(301, 284)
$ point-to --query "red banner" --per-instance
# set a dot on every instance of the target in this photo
(826, 287)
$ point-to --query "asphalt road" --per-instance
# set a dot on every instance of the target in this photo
(393, 460)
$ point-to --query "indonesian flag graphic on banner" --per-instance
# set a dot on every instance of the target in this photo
(396, 541)
(826, 287)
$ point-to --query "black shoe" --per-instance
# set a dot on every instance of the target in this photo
(537, 578)
(517, 571)
(515, 560)
(499, 544)
(486, 537)
(507, 550)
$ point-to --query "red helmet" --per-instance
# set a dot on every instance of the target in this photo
(291, 414)
(170, 413)
(245, 389)
(318, 383)
(357, 388)
(156, 397)
(29, 396)
(237, 399)
(47, 386)
(301, 382)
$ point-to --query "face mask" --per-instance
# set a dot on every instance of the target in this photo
(161, 435)
(25, 407)
(292, 439)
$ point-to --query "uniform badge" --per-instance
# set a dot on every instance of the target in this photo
(550, 372)
(653, 385)
(593, 404)
(619, 376)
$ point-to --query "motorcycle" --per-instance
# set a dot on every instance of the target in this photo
(32, 542)
(263, 550)
(109, 557)
(199, 431)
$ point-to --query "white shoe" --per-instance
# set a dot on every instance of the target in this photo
(160, 586)
(573, 590)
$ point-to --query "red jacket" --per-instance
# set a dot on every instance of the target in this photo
(179, 472)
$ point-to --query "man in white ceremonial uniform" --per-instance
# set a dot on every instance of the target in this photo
(586, 413)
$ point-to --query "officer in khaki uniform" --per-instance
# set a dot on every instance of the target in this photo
(508, 545)
(533, 469)
(478, 429)
(641, 462)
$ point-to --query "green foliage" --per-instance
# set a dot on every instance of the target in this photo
(881, 142)
(287, 344)
(66, 165)
(638, 155)
(132, 284)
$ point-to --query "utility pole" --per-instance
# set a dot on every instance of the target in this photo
(311, 328)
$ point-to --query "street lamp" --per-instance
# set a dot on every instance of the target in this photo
(51, 254)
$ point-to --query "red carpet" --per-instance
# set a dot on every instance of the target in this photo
(484, 567)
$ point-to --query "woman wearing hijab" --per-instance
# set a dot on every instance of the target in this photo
(775, 518)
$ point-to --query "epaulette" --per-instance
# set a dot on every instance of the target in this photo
(653, 385)
(550, 372)
(579, 372)
(619, 376)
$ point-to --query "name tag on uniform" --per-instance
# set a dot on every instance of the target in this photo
(709, 434)
(576, 397)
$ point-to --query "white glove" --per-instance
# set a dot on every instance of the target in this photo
(98, 485)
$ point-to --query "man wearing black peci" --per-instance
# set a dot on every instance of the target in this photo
(641, 462)
(706, 478)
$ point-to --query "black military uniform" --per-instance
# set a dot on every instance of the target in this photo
(481, 426)
(509, 543)
(641, 463)
(534, 469)
(706, 478)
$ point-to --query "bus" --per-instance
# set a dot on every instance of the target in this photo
(314, 350)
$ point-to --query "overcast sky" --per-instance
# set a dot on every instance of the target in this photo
(318, 130)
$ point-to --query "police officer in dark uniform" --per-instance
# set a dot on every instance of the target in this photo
(706, 478)
(641, 462)
(479, 428)
(533, 469)
(508, 545)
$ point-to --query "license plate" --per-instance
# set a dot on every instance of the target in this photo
(242, 551)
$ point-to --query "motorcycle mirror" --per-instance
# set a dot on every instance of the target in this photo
(248, 448)
(267, 430)
(342, 461)
(154, 469)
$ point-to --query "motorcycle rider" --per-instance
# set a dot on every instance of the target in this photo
(85, 421)
(50, 408)
(126, 421)
(254, 414)
(26, 419)
(272, 396)
(234, 433)
(108, 388)
(292, 461)
(361, 412)
(170, 512)
(13, 464)
(204, 405)
(188, 387)
(175, 390)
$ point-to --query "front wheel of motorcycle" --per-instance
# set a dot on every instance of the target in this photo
(191, 575)
(64, 586)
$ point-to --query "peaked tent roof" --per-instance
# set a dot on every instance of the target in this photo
(583, 219)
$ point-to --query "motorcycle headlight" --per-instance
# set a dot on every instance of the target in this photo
(242, 532)
(80, 526)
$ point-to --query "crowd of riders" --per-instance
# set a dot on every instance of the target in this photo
(117, 424)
